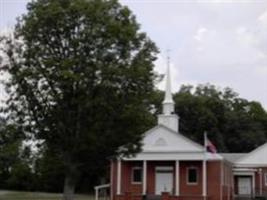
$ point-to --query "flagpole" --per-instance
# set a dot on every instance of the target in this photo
(205, 167)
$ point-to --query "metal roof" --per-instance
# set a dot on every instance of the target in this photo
(232, 157)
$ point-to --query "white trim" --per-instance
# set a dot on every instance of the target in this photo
(204, 178)
(246, 173)
(250, 165)
(187, 176)
(111, 179)
(144, 176)
(233, 183)
(260, 180)
(228, 183)
(167, 156)
(177, 177)
(253, 185)
(221, 179)
(265, 178)
(243, 173)
(252, 174)
(132, 175)
(118, 177)
(244, 170)
(200, 147)
(204, 168)
(251, 153)
(97, 188)
(102, 186)
(164, 168)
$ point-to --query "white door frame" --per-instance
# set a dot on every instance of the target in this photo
(164, 169)
(244, 181)
(246, 173)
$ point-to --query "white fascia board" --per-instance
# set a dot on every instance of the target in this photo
(200, 147)
(244, 169)
(256, 155)
(250, 165)
(244, 173)
(165, 156)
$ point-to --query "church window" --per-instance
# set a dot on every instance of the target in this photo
(137, 175)
(192, 175)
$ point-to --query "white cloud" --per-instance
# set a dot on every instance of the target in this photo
(223, 42)
(200, 34)
(263, 18)
(246, 37)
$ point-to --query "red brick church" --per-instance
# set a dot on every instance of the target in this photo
(173, 167)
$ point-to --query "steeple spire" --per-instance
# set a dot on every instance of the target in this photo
(168, 103)
(168, 118)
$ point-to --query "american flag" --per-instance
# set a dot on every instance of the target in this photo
(210, 147)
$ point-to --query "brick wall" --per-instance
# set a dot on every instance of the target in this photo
(260, 177)
(190, 189)
(187, 191)
(227, 181)
(264, 171)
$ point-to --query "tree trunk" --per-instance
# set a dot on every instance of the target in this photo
(69, 187)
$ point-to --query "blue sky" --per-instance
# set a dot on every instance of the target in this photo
(222, 42)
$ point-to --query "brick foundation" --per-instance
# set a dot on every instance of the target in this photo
(164, 196)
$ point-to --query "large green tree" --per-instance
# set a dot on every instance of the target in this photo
(15, 158)
(234, 124)
(81, 73)
(10, 149)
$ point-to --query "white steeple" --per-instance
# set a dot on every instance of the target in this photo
(168, 103)
(168, 118)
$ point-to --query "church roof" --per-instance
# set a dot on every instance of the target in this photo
(162, 143)
(232, 157)
(162, 138)
(255, 158)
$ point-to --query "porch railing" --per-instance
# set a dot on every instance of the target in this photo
(260, 192)
(251, 193)
(102, 192)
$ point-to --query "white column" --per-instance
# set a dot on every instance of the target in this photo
(204, 183)
(118, 177)
(111, 179)
(177, 177)
(96, 193)
(253, 185)
(144, 176)
(204, 169)
(222, 180)
(260, 178)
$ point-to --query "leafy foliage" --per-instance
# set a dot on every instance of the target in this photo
(233, 123)
(14, 158)
(81, 74)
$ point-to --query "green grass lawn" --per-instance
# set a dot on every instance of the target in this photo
(13, 195)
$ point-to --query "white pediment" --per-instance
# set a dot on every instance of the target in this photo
(160, 142)
(255, 158)
(162, 139)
